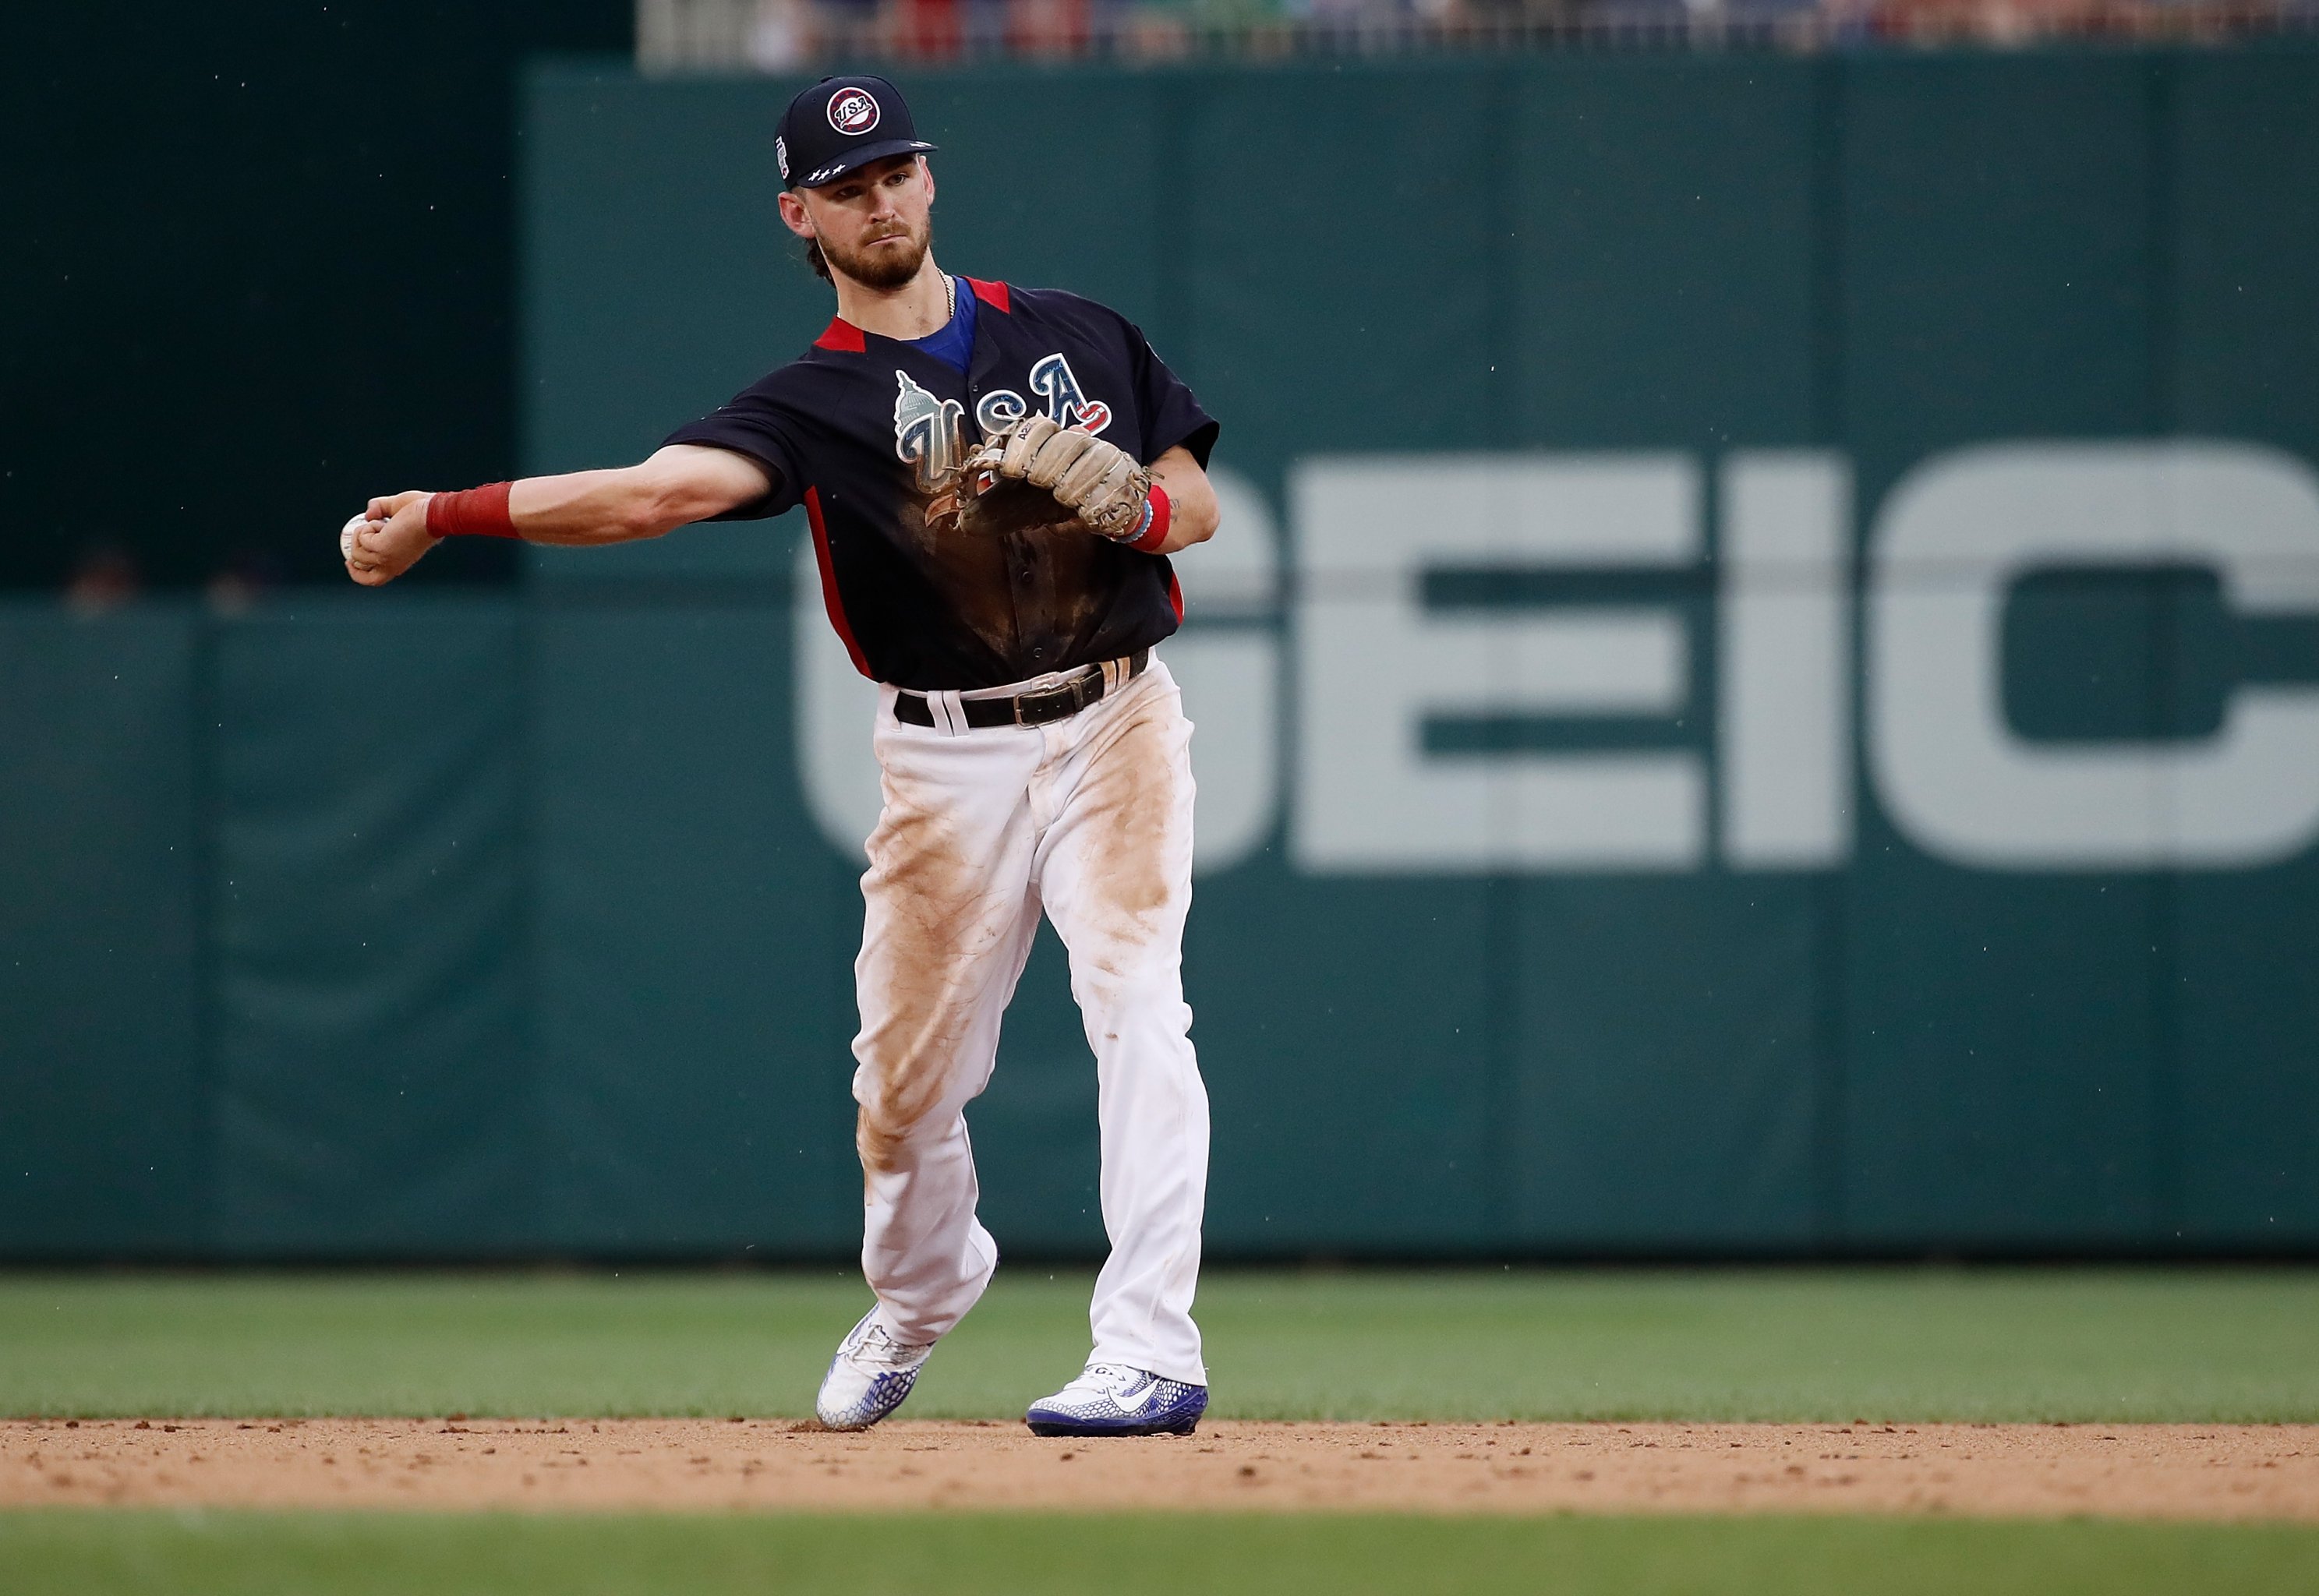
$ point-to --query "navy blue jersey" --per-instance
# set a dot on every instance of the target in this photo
(862, 430)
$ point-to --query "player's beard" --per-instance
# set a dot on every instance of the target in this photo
(886, 269)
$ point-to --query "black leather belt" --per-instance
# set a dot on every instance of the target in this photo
(1059, 702)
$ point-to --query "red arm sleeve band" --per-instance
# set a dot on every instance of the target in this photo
(1156, 533)
(478, 513)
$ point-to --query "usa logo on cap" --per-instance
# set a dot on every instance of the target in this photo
(781, 153)
(853, 111)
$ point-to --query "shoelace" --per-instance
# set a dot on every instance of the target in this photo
(1101, 1379)
(880, 1348)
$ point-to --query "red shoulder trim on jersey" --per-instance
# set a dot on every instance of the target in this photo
(843, 336)
(1175, 597)
(829, 598)
(993, 294)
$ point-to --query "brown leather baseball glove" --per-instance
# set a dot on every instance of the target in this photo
(1034, 474)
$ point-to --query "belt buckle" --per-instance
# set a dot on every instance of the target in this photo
(1054, 703)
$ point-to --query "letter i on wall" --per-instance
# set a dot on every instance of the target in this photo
(1783, 661)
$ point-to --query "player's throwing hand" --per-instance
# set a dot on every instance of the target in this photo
(386, 539)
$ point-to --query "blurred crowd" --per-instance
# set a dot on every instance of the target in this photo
(781, 35)
(107, 577)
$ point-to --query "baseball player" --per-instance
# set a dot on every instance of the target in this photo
(994, 477)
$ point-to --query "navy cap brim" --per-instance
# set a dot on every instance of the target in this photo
(855, 159)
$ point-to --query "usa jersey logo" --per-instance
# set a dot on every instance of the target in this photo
(1066, 404)
(925, 432)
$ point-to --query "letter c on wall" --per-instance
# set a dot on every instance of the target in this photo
(1954, 537)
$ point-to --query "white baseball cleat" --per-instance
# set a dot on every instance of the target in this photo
(869, 1378)
(1112, 1398)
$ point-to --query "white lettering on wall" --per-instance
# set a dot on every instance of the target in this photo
(1373, 664)
(836, 712)
(1227, 661)
(1783, 665)
(1952, 540)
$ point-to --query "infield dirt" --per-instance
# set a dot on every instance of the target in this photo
(2218, 1472)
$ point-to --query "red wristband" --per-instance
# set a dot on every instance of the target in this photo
(1156, 533)
(479, 512)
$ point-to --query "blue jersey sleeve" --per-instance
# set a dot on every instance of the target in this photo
(753, 424)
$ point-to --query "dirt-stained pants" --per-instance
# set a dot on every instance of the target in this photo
(1091, 818)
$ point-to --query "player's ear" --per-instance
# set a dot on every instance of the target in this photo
(795, 217)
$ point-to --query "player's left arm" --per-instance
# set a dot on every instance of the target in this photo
(1158, 509)
(1191, 499)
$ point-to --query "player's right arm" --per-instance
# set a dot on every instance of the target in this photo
(679, 484)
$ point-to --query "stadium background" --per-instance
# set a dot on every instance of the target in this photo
(499, 917)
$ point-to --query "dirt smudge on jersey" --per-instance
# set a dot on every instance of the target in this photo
(1031, 594)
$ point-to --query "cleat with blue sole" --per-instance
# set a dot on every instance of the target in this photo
(1112, 1398)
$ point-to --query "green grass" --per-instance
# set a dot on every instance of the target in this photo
(1884, 1344)
(88, 1554)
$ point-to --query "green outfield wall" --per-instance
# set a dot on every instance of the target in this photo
(1758, 692)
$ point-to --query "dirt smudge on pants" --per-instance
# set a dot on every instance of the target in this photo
(926, 905)
(935, 937)
(1129, 809)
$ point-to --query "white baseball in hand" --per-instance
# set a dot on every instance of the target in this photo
(346, 536)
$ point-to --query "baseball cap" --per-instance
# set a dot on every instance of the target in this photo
(841, 123)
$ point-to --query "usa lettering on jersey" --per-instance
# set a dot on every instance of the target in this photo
(854, 431)
(1066, 404)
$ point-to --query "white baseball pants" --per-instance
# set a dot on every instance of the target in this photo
(1089, 818)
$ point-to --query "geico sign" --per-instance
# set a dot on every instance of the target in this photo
(1377, 665)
